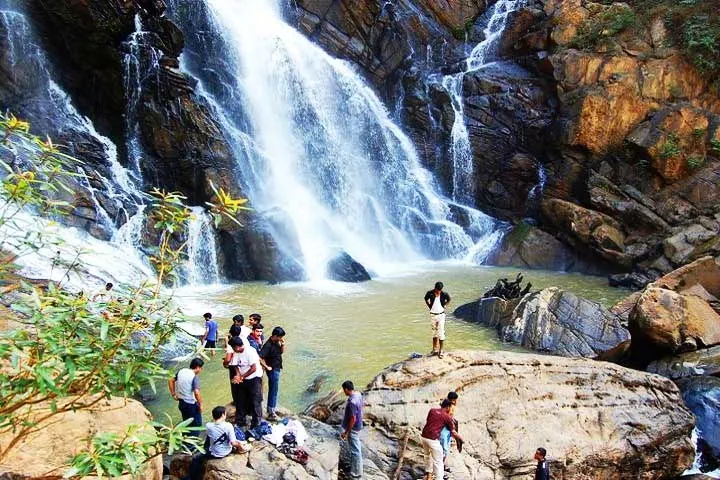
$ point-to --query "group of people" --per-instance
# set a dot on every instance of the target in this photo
(248, 355)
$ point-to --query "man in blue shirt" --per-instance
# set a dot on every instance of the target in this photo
(352, 426)
(209, 338)
(542, 471)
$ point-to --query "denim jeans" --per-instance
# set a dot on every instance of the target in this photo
(191, 410)
(445, 440)
(351, 454)
(273, 389)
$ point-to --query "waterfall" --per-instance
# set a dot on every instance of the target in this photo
(482, 55)
(50, 110)
(314, 142)
(201, 266)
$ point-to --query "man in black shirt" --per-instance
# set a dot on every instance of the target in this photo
(542, 472)
(436, 300)
(271, 359)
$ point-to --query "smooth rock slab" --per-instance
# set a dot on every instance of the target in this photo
(556, 321)
(597, 420)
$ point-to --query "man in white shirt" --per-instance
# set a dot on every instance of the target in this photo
(436, 300)
(246, 382)
(185, 388)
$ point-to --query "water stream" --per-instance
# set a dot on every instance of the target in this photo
(481, 56)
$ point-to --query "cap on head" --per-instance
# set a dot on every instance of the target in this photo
(207, 315)
(218, 412)
(439, 285)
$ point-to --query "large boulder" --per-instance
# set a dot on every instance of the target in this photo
(344, 268)
(664, 322)
(597, 420)
(587, 228)
(553, 320)
(529, 247)
(702, 397)
(47, 451)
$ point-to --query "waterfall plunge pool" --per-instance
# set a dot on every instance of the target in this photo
(337, 331)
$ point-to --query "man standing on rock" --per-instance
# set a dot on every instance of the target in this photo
(352, 426)
(271, 358)
(185, 388)
(436, 300)
(542, 472)
(437, 418)
(245, 383)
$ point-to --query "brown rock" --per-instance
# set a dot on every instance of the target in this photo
(666, 322)
(595, 230)
(568, 15)
(45, 453)
(606, 422)
(455, 14)
(530, 247)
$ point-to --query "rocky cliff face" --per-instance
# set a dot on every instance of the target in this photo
(591, 124)
(593, 114)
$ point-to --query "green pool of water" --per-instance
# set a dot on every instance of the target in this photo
(352, 331)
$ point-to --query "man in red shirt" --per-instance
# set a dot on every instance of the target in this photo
(437, 419)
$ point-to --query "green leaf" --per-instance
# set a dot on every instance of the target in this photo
(104, 327)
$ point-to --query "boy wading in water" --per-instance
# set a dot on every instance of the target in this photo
(436, 300)
(209, 339)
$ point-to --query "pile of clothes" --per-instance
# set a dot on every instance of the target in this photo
(288, 436)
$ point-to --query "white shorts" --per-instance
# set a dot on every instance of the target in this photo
(437, 321)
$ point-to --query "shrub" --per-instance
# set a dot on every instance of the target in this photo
(671, 147)
(71, 351)
(695, 161)
(603, 26)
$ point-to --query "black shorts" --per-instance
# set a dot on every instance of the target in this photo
(209, 343)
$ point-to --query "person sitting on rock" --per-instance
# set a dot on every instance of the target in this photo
(437, 418)
(542, 472)
(219, 443)
(445, 436)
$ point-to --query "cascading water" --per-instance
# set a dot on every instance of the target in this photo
(481, 56)
(324, 151)
(49, 109)
(201, 266)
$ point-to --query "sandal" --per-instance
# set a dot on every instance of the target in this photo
(441, 355)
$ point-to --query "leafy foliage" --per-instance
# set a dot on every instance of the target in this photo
(603, 26)
(70, 351)
(671, 147)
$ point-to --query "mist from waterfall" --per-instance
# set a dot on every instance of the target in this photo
(316, 144)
